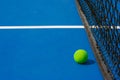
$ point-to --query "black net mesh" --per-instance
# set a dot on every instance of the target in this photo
(103, 17)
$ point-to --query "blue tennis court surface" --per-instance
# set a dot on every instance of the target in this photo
(38, 12)
(43, 54)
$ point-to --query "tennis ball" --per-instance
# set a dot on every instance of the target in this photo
(80, 56)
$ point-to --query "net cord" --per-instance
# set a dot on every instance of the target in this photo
(106, 74)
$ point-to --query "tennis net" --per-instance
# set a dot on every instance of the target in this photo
(103, 21)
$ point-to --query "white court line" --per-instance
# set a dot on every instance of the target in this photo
(112, 27)
(38, 27)
(46, 27)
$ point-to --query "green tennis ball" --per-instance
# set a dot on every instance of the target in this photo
(80, 56)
